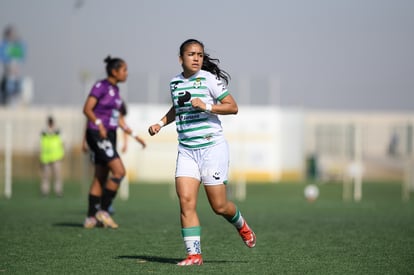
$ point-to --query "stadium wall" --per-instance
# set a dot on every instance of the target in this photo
(267, 144)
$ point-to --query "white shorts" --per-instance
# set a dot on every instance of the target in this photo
(208, 165)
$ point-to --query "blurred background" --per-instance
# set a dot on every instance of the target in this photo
(325, 88)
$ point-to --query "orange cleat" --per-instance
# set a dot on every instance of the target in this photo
(248, 236)
(194, 259)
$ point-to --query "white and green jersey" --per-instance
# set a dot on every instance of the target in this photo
(195, 128)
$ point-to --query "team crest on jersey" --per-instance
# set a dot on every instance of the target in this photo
(197, 83)
(111, 92)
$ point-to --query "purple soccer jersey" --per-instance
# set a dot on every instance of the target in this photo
(108, 106)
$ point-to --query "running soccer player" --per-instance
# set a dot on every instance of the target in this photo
(102, 109)
(199, 94)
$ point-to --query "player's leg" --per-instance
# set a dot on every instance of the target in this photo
(95, 194)
(187, 192)
(58, 184)
(45, 185)
(110, 190)
(112, 185)
(217, 197)
(215, 167)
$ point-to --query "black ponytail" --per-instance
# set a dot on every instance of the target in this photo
(209, 64)
(112, 64)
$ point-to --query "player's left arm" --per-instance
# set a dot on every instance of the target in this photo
(228, 106)
(218, 91)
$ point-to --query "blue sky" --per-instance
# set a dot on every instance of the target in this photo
(322, 54)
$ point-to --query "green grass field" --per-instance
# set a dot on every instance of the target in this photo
(375, 236)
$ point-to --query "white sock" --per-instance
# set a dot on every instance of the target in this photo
(192, 245)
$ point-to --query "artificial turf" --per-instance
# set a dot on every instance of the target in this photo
(330, 236)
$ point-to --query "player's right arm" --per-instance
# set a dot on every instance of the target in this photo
(90, 104)
(165, 120)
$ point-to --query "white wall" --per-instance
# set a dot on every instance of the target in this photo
(264, 142)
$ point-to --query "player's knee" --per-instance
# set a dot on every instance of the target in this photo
(117, 180)
(119, 173)
(219, 209)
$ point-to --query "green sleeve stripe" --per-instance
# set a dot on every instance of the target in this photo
(223, 96)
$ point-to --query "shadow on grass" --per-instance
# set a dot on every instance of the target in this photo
(145, 258)
(68, 224)
(151, 259)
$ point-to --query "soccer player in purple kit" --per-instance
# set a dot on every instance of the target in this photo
(102, 110)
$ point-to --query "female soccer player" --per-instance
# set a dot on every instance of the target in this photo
(199, 95)
(102, 109)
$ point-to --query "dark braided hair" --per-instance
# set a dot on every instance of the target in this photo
(209, 64)
(113, 64)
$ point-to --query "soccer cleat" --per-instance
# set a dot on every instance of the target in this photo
(106, 219)
(90, 222)
(194, 259)
(248, 236)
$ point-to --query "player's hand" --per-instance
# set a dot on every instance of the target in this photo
(154, 129)
(102, 131)
(198, 104)
(124, 148)
(140, 140)
(85, 147)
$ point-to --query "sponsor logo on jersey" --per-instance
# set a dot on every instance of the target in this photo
(189, 117)
(183, 98)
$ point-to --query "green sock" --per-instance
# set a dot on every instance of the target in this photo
(237, 220)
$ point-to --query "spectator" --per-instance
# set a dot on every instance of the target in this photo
(51, 155)
(12, 55)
